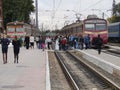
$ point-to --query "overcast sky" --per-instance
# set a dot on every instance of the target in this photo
(55, 13)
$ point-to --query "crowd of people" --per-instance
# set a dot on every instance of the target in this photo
(61, 43)
(27, 42)
(77, 42)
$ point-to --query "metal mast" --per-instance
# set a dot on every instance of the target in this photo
(36, 4)
(1, 18)
(113, 8)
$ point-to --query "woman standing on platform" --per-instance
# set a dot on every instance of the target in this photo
(16, 47)
(4, 43)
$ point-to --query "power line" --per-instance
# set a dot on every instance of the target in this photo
(58, 5)
(92, 5)
(78, 4)
(54, 8)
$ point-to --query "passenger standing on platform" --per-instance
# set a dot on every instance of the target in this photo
(4, 43)
(57, 44)
(43, 43)
(99, 42)
(40, 42)
(21, 42)
(32, 41)
(71, 37)
(75, 42)
(37, 41)
(81, 42)
(64, 42)
(27, 42)
(87, 41)
(16, 47)
(60, 42)
(49, 42)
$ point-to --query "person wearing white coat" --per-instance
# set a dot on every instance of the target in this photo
(57, 44)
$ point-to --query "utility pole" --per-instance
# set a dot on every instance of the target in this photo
(113, 8)
(1, 18)
(103, 15)
(36, 4)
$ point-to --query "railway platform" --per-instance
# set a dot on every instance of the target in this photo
(31, 73)
(107, 62)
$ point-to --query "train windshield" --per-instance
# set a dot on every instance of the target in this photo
(100, 26)
(95, 24)
(90, 26)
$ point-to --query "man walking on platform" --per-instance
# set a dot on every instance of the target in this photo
(99, 42)
(4, 43)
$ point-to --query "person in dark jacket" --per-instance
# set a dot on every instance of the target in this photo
(27, 42)
(4, 43)
(81, 42)
(87, 41)
(99, 42)
(16, 48)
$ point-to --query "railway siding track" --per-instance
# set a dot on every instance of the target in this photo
(112, 50)
(109, 82)
(113, 82)
(116, 51)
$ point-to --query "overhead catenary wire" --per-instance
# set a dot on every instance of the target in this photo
(78, 3)
(58, 5)
(55, 9)
(92, 5)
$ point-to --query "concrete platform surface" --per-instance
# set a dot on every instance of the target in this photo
(107, 62)
(28, 74)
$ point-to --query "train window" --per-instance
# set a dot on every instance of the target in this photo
(90, 26)
(19, 30)
(100, 26)
(10, 29)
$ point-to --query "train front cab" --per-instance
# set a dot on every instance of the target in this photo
(96, 26)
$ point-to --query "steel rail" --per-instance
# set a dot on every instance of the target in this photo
(103, 77)
(66, 72)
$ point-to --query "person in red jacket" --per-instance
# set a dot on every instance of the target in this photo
(64, 41)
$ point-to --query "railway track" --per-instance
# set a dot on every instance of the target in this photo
(112, 51)
(114, 44)
(81, 75)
